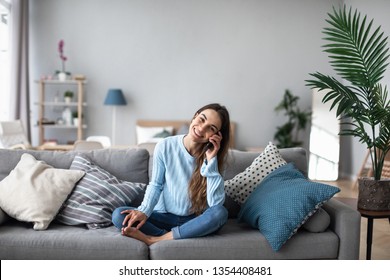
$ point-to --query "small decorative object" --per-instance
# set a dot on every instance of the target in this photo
(60, 121)
(56, 98)
(79, 77)
(359, 56)
(68, 95)
(67, 116)
(287, 135)
(62, 74)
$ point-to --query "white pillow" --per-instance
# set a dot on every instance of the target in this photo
(148, 134)
(241, 186)
(34, 191)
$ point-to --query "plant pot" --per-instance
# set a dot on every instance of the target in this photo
(374, 195)
(62, 76)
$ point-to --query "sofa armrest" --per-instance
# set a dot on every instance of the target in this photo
(345, 222)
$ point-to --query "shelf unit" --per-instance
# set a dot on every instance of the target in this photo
(78, 106)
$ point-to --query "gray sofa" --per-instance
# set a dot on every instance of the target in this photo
(235, 240)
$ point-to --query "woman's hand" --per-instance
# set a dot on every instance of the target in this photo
(132, 217)
(216, 141)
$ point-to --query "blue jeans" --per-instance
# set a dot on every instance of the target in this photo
(190, 226)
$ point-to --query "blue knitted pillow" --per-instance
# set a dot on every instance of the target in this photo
(282, 203)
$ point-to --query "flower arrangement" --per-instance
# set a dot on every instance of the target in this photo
(63, 58)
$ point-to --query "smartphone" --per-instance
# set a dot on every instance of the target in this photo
(209, 145)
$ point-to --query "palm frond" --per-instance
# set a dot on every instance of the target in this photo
(341, 95)
(356, 55)
(359, 55)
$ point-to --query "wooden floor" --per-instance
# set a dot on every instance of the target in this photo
(381, 232)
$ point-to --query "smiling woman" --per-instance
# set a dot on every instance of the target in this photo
(185, 195)
(4, 59)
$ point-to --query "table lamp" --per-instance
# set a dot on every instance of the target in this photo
(114, 98)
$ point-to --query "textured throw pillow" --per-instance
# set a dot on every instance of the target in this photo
(241, 186)
(96, 196)
(34, 191)
(282, 203)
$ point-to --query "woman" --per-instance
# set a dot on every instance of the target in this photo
(185, 196)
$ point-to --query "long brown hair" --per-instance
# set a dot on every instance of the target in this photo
(198, 183)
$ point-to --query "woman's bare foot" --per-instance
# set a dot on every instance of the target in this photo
(147, 239)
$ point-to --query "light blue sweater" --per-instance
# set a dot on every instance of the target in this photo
(172, 170)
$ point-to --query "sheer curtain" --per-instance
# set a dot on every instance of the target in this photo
(5, 8)
(19, 87)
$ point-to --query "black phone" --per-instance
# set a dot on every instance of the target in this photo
(209, 145)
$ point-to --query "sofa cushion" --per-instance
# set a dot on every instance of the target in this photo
(241, 186)
(97, 195)
(238, 241)
(3, 217)
(34, 191)
(125, 164)
(62, 242)
(282, 202)
(318, 222)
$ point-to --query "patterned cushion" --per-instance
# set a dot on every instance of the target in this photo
(282, 203)
(241, 186)
(96, 195)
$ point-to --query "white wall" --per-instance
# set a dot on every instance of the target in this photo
(172, 56)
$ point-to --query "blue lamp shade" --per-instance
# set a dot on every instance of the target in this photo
(115, 97)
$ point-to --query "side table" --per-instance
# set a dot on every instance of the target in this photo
(370, 215)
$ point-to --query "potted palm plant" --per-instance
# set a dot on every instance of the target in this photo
(359, 54)
(287, 135)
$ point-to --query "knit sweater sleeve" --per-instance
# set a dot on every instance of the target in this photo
(215, 182)
(154, 189)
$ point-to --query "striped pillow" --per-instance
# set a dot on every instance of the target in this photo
(96, 195)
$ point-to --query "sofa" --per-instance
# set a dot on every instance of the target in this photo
(236, 240)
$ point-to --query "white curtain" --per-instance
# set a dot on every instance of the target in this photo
(19, 87)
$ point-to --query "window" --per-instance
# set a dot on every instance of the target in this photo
(4, 59)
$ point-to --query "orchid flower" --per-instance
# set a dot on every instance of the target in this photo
(62, 56)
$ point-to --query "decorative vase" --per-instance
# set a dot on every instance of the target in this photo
(67, 116)
(374, 195)
(62, 76)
